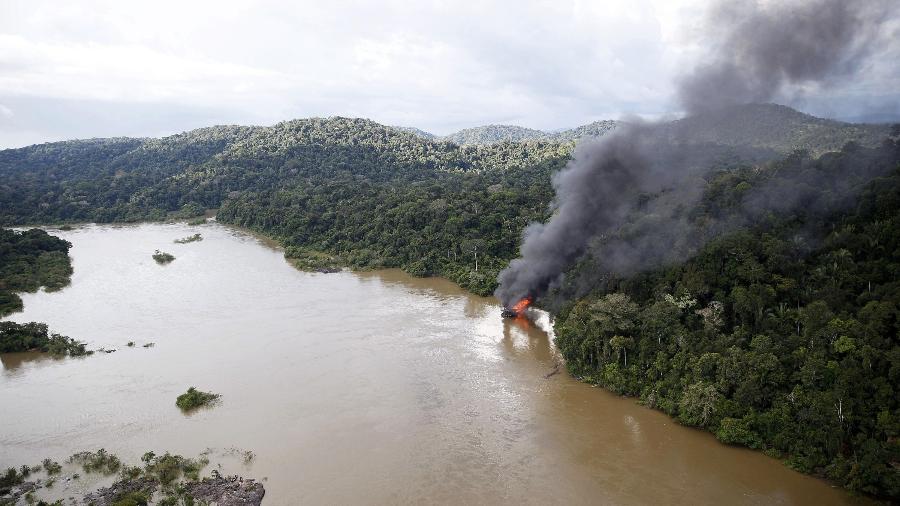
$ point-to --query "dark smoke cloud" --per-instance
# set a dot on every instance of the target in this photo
(586, 204)
(759, 50)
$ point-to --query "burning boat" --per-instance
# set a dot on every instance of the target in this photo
(518, 308)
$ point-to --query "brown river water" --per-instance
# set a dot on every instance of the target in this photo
(350, 388)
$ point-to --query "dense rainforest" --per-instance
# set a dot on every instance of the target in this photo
(781, 335)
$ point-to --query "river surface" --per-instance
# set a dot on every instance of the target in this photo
(350, 388)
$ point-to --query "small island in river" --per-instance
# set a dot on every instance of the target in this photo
(193, 399)
(163, 258)
(190, 238)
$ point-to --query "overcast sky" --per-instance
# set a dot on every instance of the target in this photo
(97, 68)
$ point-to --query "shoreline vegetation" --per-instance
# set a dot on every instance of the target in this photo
(309, 260)
(30, 260)
(33, 336)
(164, 480)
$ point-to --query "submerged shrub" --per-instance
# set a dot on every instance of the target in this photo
(52, 467)
(194, 398)
(11, 478)
(167, 468)
(162, 257)
(190, 238)
(132, 499)
(100, 461)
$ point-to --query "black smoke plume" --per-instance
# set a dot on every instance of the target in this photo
(759, 51)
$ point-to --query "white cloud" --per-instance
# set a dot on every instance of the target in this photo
(438, 65)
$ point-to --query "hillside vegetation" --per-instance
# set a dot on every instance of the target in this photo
(774, 127)
(492, 134)
(767, 126)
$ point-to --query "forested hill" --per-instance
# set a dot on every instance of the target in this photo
(373, 194)
(774, 127)
(491, 134)
(768, 126)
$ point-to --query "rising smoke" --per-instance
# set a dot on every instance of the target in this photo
(760, 50)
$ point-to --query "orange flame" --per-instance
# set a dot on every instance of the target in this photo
(522, 305)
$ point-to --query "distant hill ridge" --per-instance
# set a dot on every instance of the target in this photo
(770, 126)
(491, 134)
(776, 127)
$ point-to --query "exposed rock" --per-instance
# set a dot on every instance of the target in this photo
(109, 495)
(227, 491)
(17, 491)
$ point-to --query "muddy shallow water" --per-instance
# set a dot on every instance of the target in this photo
(350, 388)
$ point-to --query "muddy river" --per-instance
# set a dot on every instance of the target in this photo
(349, 388)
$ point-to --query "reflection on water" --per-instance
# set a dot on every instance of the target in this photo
(350, 388)
(13, 361)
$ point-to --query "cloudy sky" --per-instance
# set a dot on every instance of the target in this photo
(96, 68)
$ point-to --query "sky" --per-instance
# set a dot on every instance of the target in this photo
(101, 68)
